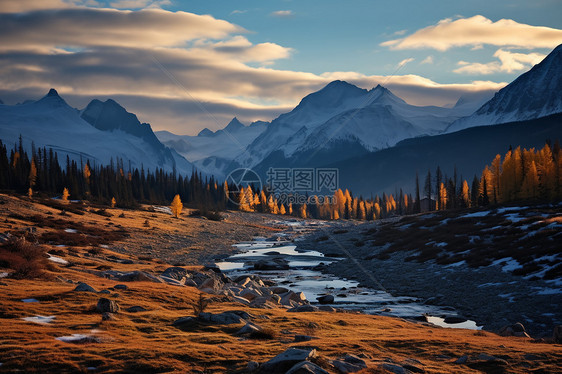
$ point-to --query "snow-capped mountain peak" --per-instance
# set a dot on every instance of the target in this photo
(534, 94)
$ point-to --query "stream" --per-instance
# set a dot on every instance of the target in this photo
(304, 275)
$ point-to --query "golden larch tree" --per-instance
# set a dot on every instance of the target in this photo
(113, 202)
(65, 195)
(176, 206)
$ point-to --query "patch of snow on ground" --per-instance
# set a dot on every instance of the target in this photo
(490, 284)
(30, 300)
(4, 274)
(514, 217)
(509, 209)
(476, 214)
(549, 291)
(456, 264)
(72, 338)
(162, 209)
(472, 238)
(39, 319)
(508, 264)
(71, 231)
(58, 260)
(442, 244)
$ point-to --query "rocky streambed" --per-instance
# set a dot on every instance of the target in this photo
(281, 261)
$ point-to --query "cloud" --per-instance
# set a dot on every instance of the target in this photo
(477, 31)
(427, 60)
(283, 13)
(237, 11)
(139, 4)
(88, 27)
(404, 62)
(509, 62)
(17, 6)
(165, 65)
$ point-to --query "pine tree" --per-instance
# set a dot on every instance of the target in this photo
(176, 206)
(428, 190)
(417, 207)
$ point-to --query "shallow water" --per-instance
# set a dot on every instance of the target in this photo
(302, 277)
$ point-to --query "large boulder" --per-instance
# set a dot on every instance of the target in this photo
(83, 287)
(225, 318)
(516, 329)
(286, 360)
(306, 367)
(105, 305)
(272, 264)
(557, 334)
(325, 299)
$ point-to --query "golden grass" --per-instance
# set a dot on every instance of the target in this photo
(146, 342)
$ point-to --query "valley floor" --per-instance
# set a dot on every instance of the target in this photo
(124, 260)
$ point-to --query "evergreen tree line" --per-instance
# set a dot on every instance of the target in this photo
(41, 172)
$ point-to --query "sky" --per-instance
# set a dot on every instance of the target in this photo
(183, 65)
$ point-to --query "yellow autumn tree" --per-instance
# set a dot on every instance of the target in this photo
(303, 211)
(32, 173)
(113, 202)
(30, 193)
(530, 187)
(176, 206)
(465, 193)
(282, 210)
(65, 195)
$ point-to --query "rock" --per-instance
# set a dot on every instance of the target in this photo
(306, 367)
(346, 367)
(136, 309)
(302, 338)
(488, 358)
(327, 308)
(183, 320)
(121, 287)
(352, 359)
(393, 368)
(108, 317)
(211, 285)
(248, 329)
(225, 318)
(241, 300)
(175, 272)
(516, 329)
(272, 264)
(252, 366)
(557, 334)
(286, 360)
(462, 360)
(325, 299)
(451, 320)
(106, 305)
(190, 283)
(249, 294)
(105, 292)
(83, 287)
(278, 290)
(303, 308)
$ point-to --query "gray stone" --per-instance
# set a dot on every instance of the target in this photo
(286, 360)
(462, 360)
(252, 366)
(325, 299)
(306, 367)
(225, 318)
(303, 308)
(136, 309)
(184, 320)
(346, 367)
(83, 287)
(327, 308)
(278, 290)
(272, 264)
(121, 287)
(352, 359)
(106, 305)
(302, 338)
(393, 368)
(107, 317)
(105, 292)
(175, 272)
(248, 329)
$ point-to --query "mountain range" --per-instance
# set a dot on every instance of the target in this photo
(377, 140)
(102, 132)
